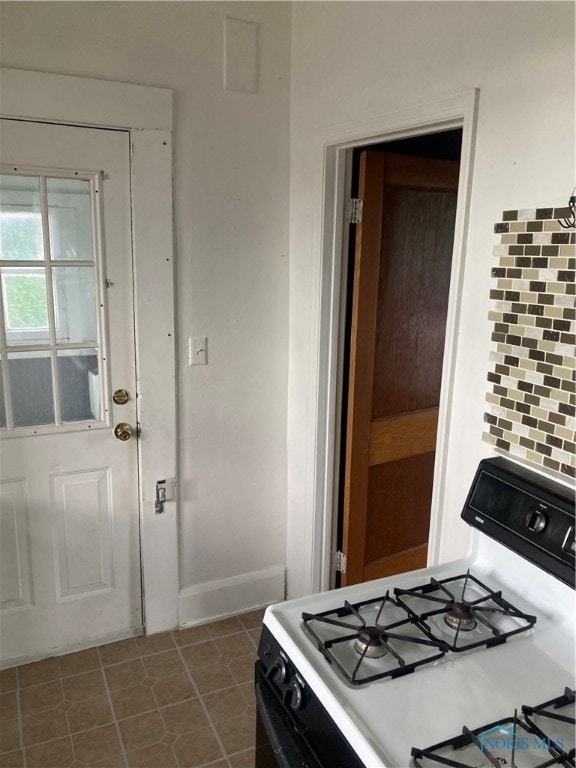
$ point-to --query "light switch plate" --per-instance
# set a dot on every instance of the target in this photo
(198, 350)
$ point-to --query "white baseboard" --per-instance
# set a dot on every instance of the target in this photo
(225, 597)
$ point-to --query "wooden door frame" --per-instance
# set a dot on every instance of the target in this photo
(336, 145)
(146, 114)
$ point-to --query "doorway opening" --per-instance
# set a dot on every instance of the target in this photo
(395, 302)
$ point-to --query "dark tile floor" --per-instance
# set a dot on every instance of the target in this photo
(180, 699)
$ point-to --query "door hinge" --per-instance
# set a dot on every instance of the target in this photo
(354, 210)
(340, 562)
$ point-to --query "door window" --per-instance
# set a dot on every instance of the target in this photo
(50, 324)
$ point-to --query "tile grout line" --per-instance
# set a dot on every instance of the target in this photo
(244, 752)
(158, 708)
(20, 720)
(72, 747)
(204, 707)
(238, 687)
(111, 705)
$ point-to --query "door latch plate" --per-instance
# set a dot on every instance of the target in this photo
(161, 497)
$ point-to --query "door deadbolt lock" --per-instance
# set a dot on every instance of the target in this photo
(123, 431)
(121, 396)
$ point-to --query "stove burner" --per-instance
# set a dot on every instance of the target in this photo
(463, 603)
(372, 639)
(369, 643)
(460, 617)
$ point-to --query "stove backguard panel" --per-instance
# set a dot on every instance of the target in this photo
(533, 517)
(532, 405)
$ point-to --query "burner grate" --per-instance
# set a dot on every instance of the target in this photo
(372, 639)
(511, 741)
(463, 612)
(555, 716)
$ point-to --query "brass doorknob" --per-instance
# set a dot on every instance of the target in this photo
(120, 396)
(123, 431)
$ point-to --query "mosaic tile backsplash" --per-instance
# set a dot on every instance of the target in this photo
(532, 404)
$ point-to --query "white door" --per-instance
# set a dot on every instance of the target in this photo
(69, 544)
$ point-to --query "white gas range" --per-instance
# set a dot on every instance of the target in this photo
(434, 666)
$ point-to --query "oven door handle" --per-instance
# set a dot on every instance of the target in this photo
(284, 741)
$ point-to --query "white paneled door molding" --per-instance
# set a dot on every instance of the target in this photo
(309, 564)
(145, 114)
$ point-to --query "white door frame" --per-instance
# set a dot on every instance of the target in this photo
(454, 111)
(146, 113)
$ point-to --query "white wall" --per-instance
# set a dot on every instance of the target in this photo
(351, 61)
(354, 61)
(231, 224)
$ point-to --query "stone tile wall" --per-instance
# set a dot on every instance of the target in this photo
(532, 402)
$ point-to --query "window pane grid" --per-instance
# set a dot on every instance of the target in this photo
(38, 264)
(73, 318)
(6, 386)
(51, 309)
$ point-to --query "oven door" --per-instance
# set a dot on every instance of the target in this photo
(305, 738)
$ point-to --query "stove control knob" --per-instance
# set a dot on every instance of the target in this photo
(278, 671)
(295, 695)
(536, 521)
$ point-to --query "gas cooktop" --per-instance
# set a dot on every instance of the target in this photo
(392, 636)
